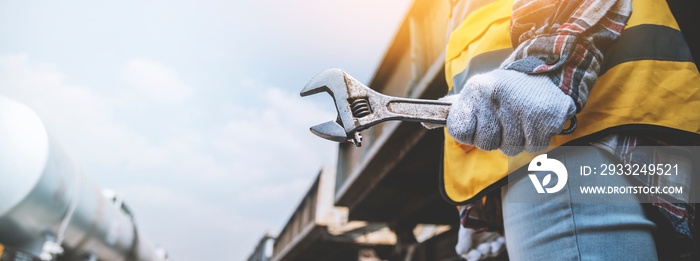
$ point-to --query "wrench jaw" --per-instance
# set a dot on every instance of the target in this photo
(330, 80)
(331, 130)
(360, 107)
(341, 88)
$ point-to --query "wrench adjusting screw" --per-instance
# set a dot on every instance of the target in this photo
(360, 107)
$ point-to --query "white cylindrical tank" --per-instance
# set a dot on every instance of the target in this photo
(44, 197)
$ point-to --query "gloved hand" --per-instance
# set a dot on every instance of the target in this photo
(478, 245)
(509, 110)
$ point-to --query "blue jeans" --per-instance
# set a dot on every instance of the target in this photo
(575, 231)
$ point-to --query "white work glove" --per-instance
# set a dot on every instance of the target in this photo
(472, 245)
(509, 110)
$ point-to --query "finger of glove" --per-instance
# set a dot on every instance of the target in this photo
(512, 140)
(462, 121)
(538, 137)
(549, 123)
(497, 246)
(484, 249)
(473, 255)
(464, 240)
(488, 130)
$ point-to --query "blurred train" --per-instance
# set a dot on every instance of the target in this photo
(49, 209)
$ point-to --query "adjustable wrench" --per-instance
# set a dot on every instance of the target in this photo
(360, 107)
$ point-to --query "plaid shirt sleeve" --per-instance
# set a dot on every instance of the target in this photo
(565, 39)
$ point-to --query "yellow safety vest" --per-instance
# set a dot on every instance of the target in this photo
(647, 81)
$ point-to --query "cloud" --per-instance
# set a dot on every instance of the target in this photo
(36, 83)
(156, 80)
(77, 117)
(224, 181)
(277, 133)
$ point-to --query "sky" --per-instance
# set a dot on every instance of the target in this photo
(191, 109)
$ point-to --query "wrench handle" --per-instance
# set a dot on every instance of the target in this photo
(430, 111)
(419, 110)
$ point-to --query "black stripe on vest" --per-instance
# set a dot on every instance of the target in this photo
(642, 42)
(647, 42)
(481, 63)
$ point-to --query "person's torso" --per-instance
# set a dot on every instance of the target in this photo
(647, 81)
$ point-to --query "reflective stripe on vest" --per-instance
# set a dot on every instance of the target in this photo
(647, 81)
